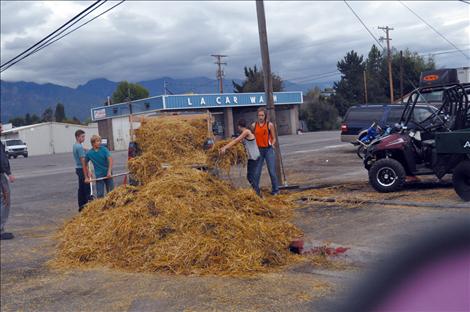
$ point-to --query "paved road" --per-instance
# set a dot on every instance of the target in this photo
(44, 197)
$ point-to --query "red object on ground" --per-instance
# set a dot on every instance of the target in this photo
(325, 250)
(297, 246)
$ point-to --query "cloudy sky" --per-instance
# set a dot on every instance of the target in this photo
(145, 40)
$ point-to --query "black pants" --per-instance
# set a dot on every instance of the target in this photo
(251, 170)
(83, 188)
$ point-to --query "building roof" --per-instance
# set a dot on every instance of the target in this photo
(16, 129)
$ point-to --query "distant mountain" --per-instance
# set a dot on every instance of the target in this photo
(19, 98)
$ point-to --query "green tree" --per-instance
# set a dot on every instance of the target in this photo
(17, 121)
(35, 119)
(27, 119)
(413, 65)
(350, 89)
(254, 81)
(59, 113)
(318, 112)
(376, 80)
(48, 115)
(124, 89)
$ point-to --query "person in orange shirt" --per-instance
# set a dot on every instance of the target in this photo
(265, 135)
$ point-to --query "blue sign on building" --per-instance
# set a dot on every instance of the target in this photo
(199, 101)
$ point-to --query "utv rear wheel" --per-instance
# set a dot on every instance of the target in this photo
(461, 180)
(387, 175)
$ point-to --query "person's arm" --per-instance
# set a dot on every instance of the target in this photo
(243, 135)
(273, 133)
(110, 166)
(86, 174)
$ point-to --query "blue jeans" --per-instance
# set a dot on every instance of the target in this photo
(267, 154)
(109, 183)
(251, 170)
(83, 193)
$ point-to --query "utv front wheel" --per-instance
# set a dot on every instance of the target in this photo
(387, 175)
(461, 180)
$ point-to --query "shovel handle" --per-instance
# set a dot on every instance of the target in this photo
(113, 176)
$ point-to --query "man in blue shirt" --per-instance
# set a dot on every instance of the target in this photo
(103, 164)
(80, 169)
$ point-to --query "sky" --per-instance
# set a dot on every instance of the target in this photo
(143, 40)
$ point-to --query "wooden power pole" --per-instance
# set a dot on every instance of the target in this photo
(389, 59)
(220, 72)
(268, 82)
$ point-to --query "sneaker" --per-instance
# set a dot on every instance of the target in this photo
(6, 235)
(275, 193)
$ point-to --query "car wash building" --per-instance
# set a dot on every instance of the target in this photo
(226, 109)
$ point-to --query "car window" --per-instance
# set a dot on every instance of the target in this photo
(394, 115)
(365, 114)
(421, 113)
(14, 142)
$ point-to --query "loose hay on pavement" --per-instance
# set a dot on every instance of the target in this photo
(236, 155)
(179, 220)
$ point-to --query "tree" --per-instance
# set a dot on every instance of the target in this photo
(17, 121)
(48, 115)
(27, 119)
(254, 81)
(377, 80)
(413, 65)
(35, 119)
(350, 89)
(124, 89)
(318, 112)
(59, 113)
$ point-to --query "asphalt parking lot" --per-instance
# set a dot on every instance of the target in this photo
(44, 197)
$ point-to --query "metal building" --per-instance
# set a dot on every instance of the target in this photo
(49, 137)
(227, 109)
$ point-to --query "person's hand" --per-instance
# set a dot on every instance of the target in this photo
(222, 151)
(108, 175)
(11, 178)
(87, 180)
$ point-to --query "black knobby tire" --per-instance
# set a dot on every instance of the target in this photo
(387, 175)
(461, 180)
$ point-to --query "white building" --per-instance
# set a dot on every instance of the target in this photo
(49, 137)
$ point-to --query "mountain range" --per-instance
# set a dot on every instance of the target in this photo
(19, 98)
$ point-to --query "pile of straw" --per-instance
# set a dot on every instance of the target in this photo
(236, 155)
(167, 141)
(179, 220)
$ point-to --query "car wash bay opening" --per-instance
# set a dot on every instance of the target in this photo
(226, 108)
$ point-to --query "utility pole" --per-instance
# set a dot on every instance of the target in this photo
(365, 86)
(389, 58)
(401, 76)
(229, 128)
(220, 72)
(268, 83)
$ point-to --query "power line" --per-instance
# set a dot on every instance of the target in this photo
(80, 26)
(316, 78)
(51, 34)
(311, 76)
(464, 1)
(435, 30)
(56, 38)
(360, 20)
(53, 38)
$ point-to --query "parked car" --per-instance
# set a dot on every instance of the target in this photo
(360, 117)
(15, 147)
